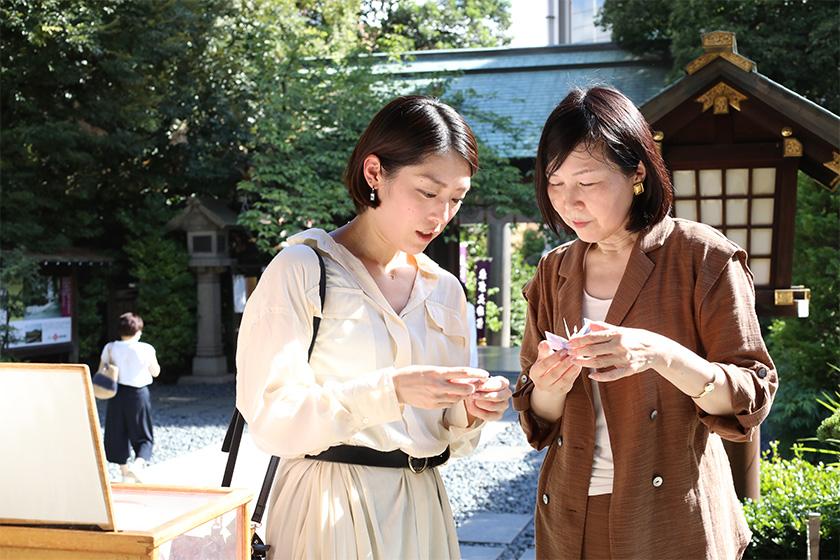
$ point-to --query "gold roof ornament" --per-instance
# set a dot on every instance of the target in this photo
(792, 148)
(720, 44)
(834, 165)
(721, 97)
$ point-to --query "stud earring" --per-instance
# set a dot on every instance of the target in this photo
(638, 188)
(372, 194)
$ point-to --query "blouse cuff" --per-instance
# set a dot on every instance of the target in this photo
(462, 437)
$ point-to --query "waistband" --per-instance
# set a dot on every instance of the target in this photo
(397, 459)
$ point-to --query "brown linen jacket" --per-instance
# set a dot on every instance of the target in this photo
(672, 489)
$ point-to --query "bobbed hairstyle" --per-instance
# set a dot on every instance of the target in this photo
(130, 324)
(602, 119)
(405, 132)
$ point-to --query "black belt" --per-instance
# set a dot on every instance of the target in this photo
(358, 455)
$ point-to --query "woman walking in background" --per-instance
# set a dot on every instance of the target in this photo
(128, 420)
(633, 413)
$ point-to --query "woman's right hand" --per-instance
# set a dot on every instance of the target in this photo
(553, 373)
(435, 387)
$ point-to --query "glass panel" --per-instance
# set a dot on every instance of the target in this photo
(761, 270)
(686, 209)
(684, 183)
(711, 212)
(736, 211)
(738, 235)
(711, 182)
(218, 538)
(762, 241)
(764, 180)
(737, 181)
(762, 211)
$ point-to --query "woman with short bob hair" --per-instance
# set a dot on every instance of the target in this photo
(662, 325)
(386, 395)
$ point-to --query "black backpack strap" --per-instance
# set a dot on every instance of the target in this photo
(237, 423)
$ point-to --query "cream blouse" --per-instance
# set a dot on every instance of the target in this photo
(345, 394)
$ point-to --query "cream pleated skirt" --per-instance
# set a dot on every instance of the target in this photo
(321, 510)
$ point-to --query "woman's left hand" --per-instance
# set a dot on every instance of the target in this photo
(629, 351)
(490, 399)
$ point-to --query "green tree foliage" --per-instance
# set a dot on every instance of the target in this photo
(106, 103)
(793, 42)
(313, 110)
(165, 284)
(397, 25)
(790, 489)
(103, 102)
(804, 348)
(19, 279)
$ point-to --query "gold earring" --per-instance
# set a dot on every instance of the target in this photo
(638, 188)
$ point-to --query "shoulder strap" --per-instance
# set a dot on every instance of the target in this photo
(322, 292)
(237, 423)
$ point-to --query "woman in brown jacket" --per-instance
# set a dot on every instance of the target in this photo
(634, 411)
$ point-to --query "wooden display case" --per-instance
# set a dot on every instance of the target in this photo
(152, 522)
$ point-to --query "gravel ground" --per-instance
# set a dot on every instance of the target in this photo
(191, 417)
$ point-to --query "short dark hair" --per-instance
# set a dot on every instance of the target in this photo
(405, 132)
(603, 118)
(130, 324)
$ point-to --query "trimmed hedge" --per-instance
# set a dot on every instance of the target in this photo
(790, 489)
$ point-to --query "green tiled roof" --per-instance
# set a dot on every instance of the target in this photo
(525, 84)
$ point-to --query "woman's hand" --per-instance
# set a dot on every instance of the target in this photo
(436, 387)
(490, 399)
(553, 373)
(629, 351)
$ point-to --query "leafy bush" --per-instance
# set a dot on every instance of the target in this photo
(790, 489)
(166, 297)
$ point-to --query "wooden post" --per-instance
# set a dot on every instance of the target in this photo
(813, 532)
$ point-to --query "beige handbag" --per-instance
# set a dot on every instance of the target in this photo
(105, 380)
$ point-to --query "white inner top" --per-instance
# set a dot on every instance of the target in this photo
(601, 480)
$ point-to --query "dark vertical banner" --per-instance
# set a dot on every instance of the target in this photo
(482, 274)
(66, 296)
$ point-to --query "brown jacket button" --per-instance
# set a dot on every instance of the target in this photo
(545, 499)
(653, 414)
(560, 441)
(657, 481)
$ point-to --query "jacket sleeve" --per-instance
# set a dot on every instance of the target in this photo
(289, 413)
(731, 338)
(539, 432)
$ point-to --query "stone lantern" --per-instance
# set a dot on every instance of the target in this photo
(207, 222)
